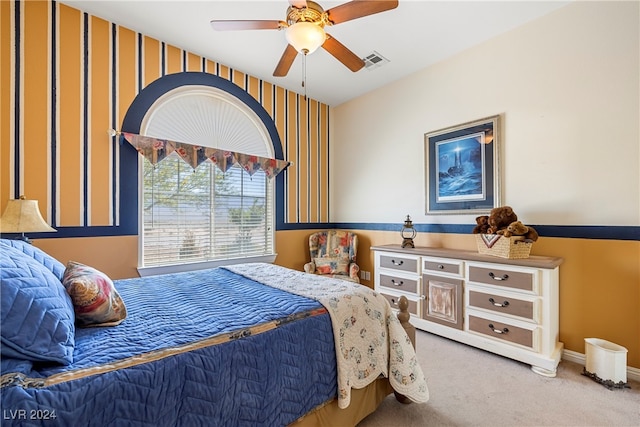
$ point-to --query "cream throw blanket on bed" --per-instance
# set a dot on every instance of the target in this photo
(369, 338)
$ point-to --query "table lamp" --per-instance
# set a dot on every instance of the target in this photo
(23, 216)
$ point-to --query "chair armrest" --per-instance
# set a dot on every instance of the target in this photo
(310, 267)
(353, 270)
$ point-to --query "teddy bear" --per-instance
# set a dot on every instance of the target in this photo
(500, 218)
(482, 224)
(517, 228)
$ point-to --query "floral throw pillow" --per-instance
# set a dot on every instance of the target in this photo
(332, 265)
(95, 300)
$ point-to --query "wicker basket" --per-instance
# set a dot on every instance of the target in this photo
(504, 247)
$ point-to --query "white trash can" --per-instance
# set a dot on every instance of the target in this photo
(606, 361)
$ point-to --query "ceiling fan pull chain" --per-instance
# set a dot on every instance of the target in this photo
(304, 74)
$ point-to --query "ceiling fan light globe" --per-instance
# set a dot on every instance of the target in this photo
(305, 37)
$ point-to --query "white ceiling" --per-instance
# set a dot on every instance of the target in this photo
(415, 35)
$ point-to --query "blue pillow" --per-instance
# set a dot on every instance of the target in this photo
(56, 267)
(36, 311)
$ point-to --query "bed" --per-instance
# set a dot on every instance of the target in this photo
(249, 344)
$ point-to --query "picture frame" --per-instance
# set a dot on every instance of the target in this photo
(462, 168)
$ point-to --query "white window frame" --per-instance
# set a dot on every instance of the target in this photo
(166, 109)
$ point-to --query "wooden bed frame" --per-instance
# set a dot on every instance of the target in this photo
(364, 401)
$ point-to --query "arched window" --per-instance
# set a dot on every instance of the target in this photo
(197, 218)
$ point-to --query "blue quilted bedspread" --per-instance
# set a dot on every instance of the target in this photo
(161, 366)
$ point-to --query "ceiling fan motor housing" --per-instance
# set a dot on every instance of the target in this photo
(312, 13)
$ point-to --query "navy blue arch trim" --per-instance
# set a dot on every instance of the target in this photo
(141, 104)
(133, 121)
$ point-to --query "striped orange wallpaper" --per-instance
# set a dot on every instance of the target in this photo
(100, 159)
(83, 73)
(34, 92)
(70, 82)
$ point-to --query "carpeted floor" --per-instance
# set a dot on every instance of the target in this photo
(471, 387)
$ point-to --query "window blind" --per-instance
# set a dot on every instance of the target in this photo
(204, 214)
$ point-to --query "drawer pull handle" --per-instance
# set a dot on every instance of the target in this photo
(393, 261)
(498, 331)
(441, 267)
(494, 277)
(497, 304)
(393, 302)
(400, 283)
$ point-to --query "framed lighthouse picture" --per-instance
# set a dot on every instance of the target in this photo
(462, 173)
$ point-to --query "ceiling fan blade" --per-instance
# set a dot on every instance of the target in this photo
(298, 3)
(359, 8)
(286, 60)
(342, 54)
(233, 25)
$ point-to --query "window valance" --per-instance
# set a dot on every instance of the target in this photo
(156, 149)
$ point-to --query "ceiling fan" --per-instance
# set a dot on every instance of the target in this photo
(305, 32)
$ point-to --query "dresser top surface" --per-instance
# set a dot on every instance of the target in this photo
(532, 261)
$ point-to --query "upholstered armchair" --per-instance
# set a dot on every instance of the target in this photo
(333, 254)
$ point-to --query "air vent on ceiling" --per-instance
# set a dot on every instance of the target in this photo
(374, 60)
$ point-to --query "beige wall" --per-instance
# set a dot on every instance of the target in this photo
(118, 256)
(292, 248)
(568, 88)
(115, 256)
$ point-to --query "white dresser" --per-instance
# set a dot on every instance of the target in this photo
(505, 306)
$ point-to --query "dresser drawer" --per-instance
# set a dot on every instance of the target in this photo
(502, 277)
(393, 302)
(399, 283)
(399, 262)
(502, 304)
(501, 331)
(442, 266)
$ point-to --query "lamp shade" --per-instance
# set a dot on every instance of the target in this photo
(305, 37)
(23, 216)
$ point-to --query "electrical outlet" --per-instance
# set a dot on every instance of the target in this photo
(365, 275)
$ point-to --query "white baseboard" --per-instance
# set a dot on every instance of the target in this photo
(580, 358)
